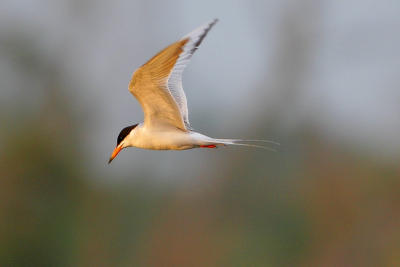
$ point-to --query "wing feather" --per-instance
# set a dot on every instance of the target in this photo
(194, 39)
(157, 85)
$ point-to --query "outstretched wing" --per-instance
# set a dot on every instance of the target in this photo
(157, 85)
(175, 80)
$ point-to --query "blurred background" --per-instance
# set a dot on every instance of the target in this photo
(320, 77)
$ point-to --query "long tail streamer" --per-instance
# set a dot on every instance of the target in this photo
(242, 142)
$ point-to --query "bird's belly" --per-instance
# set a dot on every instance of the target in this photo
(165, 141)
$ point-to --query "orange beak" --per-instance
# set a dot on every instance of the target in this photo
(115, 153)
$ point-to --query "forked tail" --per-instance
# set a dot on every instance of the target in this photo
(242, 142)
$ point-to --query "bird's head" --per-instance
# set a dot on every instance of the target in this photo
(122, 141)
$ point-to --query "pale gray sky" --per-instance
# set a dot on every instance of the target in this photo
(350, 89)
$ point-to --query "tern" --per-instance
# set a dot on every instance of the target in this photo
(157, 85)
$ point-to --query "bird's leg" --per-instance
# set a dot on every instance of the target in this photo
(208, 146)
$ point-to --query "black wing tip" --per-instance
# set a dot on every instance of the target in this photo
(203, 35)
(210, 25)
(215, 20)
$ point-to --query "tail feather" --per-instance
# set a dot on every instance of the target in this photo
(254, 140)
(242, 142)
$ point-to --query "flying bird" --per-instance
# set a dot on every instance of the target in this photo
(157, 85)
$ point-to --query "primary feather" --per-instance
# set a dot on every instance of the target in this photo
(157, 85)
